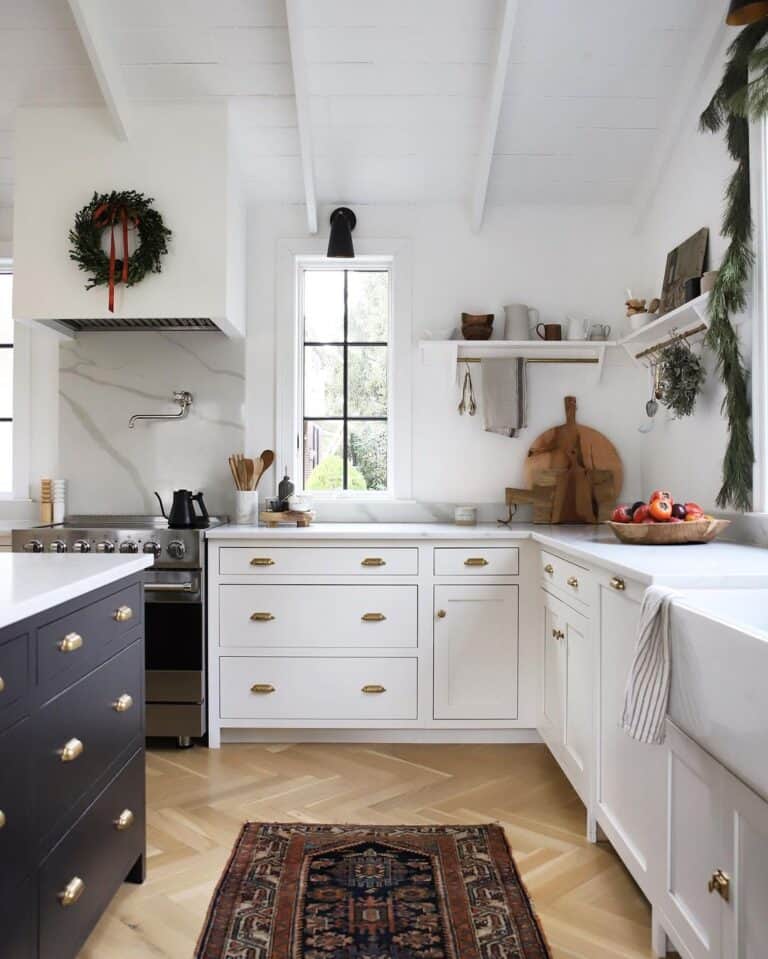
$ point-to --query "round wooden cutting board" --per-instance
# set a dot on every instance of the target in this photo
(550, 450)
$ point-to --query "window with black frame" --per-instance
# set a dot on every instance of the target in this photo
(345, 392)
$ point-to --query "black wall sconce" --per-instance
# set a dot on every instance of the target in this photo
(343, 222)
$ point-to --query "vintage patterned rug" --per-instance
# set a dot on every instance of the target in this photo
(298, 891)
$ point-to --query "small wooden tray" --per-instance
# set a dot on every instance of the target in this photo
(669, 534)
(287, 516)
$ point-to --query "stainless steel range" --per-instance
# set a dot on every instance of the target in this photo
(174, 595)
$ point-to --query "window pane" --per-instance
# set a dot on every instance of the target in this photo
(368, 454)
(368, 305)
(323, 381)
(6, 457)
(6, 323)
(6, 382)
(324, 305)
(323, 464)
(367, 380)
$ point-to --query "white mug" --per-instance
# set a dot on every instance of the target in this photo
(519, 320)
(576, 329)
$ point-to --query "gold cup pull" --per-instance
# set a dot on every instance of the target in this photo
(475, 561)
(123, 703)
(441, 614)
(124, 821)
(122, 614)
(373, 617)
(2, 685)
(70, 643)
(618, 583)
(573, 582)
(262, 688)
(262, 561)
(373, 688)
(721, 884)
(549, 569)
(3, 820)
(71, 750)
(373, 561)
(71, 892)
(262, 617)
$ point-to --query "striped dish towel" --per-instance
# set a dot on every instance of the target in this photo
(647, 692)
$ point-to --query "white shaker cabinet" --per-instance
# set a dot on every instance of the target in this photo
(631, 776)
(476, 652)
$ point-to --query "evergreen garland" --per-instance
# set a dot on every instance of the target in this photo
(735, 103)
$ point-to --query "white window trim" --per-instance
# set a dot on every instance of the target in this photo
(759, 193)
(291, 255)
(21, 407)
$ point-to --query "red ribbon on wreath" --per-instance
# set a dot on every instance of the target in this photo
(105, 216)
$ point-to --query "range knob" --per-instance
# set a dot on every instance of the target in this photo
(176, 549)
(105, 547)
(81, 546)
(33, 546)
(127, 546)
(57, 546)
(153, 547)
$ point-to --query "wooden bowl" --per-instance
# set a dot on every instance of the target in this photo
(477, 326)
(669, 534)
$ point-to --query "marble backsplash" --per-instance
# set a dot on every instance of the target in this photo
(106, 377)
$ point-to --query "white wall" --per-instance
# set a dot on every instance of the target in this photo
(686, 455)
(562, 260)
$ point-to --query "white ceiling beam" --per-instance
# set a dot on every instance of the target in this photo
(490, 129)
(303, 115)
(690, 97)
(89, 19)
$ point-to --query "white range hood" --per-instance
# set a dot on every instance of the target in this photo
(180, 154)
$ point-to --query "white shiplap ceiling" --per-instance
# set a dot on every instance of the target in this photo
(397, 92)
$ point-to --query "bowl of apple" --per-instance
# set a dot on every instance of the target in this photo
(663, 521)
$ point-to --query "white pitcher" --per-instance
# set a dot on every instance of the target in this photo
(576, 329)
(519, 320)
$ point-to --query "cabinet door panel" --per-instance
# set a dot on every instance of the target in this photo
(476, 652)
(552, 677)
(578, 696)
(632, 776)
(746, 862)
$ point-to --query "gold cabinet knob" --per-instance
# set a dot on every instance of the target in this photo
(475, 561)
(71, 892)
(373, 617)
(122, 614)
(373, 688)
(3, 820)
(573, 582)
(2, 685)
(373, 561)
(261, 617)
(123, 703)
(721, 884)
(124, 821)
(262, 688)
(70, 643)
(262, 561)
(441, 614)
(549, 568)
(618, 583)
(71, 750)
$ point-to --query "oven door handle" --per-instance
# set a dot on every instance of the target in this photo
(168, 587)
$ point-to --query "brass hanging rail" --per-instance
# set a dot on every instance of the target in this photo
(671, 339)
(535, 359)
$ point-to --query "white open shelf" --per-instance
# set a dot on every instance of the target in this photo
(691, 320)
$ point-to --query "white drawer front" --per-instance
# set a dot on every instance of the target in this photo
(460, 561)
(317, 688)
(568, 577)
(318, 560)
(323, 616)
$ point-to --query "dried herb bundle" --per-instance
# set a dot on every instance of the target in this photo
(681, 376)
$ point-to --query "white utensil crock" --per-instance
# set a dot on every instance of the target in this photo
(247, 507)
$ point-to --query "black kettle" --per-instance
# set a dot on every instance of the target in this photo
(182, 514)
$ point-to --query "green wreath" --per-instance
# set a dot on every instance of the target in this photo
(118, 210)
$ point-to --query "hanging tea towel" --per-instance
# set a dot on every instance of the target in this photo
(646, 696)
(504, 396)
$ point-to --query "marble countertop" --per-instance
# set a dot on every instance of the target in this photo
(716, 564)
(33, 582)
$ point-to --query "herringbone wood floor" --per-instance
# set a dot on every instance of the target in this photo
(199, 799)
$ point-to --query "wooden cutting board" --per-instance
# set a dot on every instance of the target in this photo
(578, 449)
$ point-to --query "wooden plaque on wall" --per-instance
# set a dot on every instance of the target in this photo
(684, 262)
